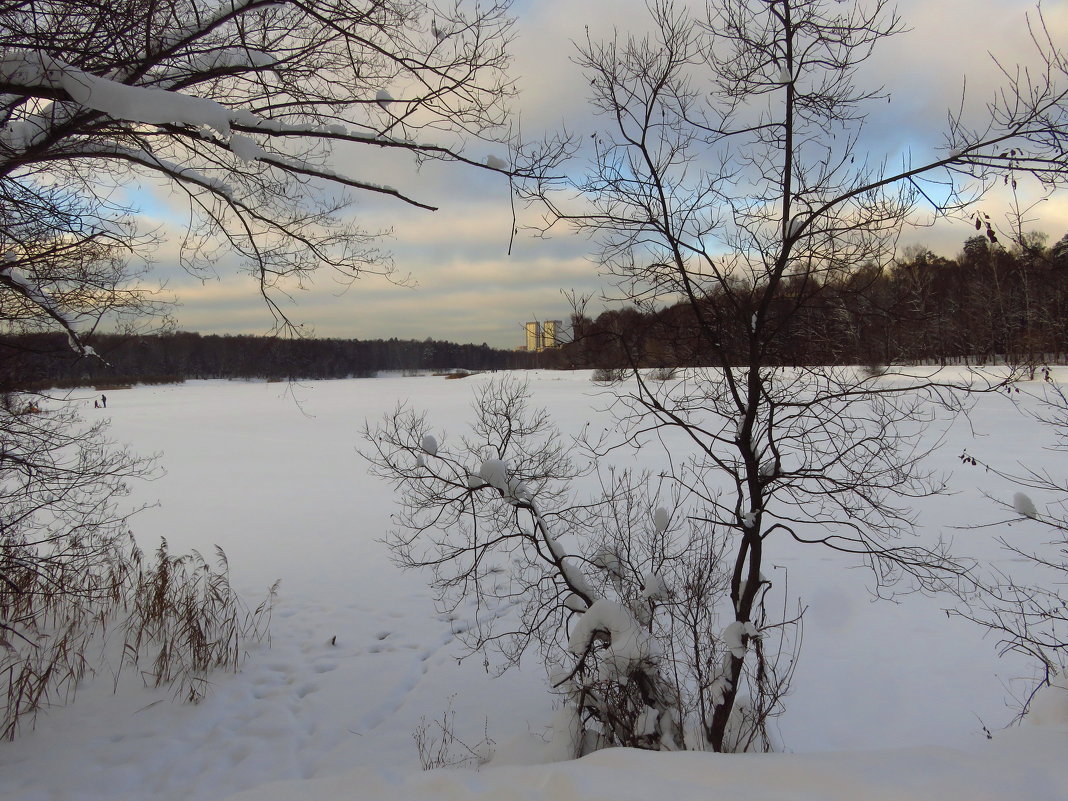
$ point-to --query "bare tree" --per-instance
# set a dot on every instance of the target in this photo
(729, 175)
(620, 587)
(1031, 617)
(238, 106)
(58, 271)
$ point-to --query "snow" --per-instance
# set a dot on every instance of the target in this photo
(179, 171)
(1023, 505)
(152, 105)
(734, 635)
(230, 57)
(31, 292)
(575, 603)
(430, 444)
(383, 98)
(889, 700)
(246, 148)
(628, 643)
(495, 473)
(141, 104)
(496, 163)
(655, 587)
(661, 519)
(26, 286)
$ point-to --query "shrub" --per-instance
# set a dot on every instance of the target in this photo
(609, 375)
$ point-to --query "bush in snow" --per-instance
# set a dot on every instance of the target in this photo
(621, 592)
(609, 375)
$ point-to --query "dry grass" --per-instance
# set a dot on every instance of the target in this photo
(184, 620)
(609, 375)
(439, 747)
(178, 618)
(663, 374)
(77, 595)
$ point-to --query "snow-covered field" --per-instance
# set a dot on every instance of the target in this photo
(890, 700)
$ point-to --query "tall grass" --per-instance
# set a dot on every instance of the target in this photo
(74, 586)
(184, 620)
(174, 619)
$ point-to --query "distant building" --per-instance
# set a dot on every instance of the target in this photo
(550, 333)
(543, 335)
(534, 336)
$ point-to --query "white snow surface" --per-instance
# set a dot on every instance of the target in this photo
(889, 701)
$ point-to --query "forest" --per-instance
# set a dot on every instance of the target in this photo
(46, 360)
(989, 303)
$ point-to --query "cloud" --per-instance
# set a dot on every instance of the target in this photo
(486, 302)
(470, 289)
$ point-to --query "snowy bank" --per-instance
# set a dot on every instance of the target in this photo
(1025, 764)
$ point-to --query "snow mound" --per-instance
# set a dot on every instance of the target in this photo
(628, 643)
(1023, 505)
(495, 473)
(661, 519)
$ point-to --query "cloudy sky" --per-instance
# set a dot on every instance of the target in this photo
(465, 287)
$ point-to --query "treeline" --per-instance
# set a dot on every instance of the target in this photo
(46, 359)
(989, 303)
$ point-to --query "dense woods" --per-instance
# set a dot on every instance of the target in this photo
(47, 359)
(988, 303)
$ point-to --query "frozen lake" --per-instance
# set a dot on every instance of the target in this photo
(270, 472)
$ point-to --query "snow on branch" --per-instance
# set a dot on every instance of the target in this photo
(12, 277)
(141, 104)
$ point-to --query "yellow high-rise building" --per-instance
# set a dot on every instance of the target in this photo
(550, 333)
(541, 336)
(534, 336)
